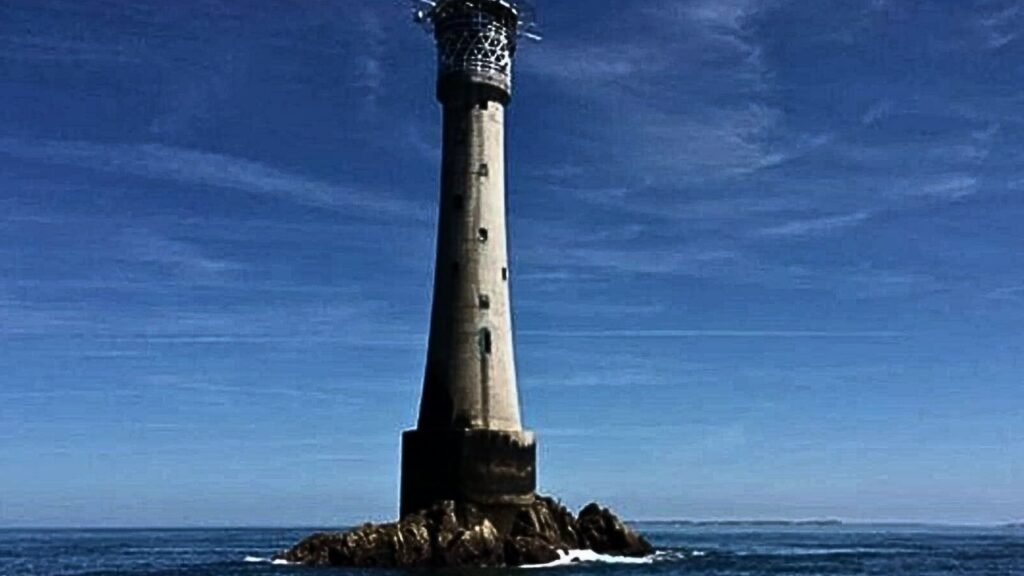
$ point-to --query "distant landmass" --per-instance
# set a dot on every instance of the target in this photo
(758, 523)
(795, 523)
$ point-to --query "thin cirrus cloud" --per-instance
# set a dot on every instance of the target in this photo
(708, 138)
(371, 72)
(197, 168)
(811, 226)
(1001, 27)
(189, 260)
(954, 187)
(734, 267)
(37, 47)
(357, 322)
(1011, 293)
(670, 334)
(695, 168)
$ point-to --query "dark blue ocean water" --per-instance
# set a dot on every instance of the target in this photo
(685, 549)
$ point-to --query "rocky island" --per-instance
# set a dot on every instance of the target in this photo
(460, 535)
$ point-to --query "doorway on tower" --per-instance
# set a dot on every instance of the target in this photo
(485, 375)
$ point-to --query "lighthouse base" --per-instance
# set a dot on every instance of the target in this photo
(494, 470)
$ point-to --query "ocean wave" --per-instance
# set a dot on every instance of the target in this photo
(259, 560)
(574, 557)
(570, 558)
(798, 551)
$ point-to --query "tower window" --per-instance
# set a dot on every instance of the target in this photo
(459, 202)
(485, 342)
(483, 235)
(504, 274)
(455, 269)
(485, 302)
(483, 170)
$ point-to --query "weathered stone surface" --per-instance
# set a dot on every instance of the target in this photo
(448, 536)
(602, 531)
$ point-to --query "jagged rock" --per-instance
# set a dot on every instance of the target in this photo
(480, 545)
(448, 535)
(522, 551)
(548, 521)
(602, 531)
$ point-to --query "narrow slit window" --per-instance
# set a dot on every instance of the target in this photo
(504, 274)
(459, 202)
(455, 269)
(485, 342)
(483, 235)
(484, 301)
(483, 170)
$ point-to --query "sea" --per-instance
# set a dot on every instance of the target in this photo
(733, 549)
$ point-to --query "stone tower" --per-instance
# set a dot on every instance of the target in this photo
(469, 444)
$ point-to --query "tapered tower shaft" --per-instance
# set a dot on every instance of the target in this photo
(469, 445)
(470, 378)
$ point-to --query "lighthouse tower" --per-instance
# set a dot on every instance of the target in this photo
(469, 444)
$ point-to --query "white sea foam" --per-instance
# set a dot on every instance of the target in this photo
(573, 557)
(570, 558)
(258, 560)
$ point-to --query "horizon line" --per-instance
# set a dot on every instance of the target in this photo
(724, 522)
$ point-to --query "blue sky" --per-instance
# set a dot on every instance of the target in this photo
(767, 258)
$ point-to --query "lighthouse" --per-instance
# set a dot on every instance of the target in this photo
(469, 445)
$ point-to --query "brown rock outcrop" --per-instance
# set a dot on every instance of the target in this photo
(449, 536)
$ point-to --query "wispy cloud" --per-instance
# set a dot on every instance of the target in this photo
(703, 438)
(1002, 25)
(188, 259)
(722, 16)
(195, 97)
(696, 261)
(732, 265)
(351, 320)
(722, 142)
(41, 47)
(661, 139)
(869, 282)
(739, 211)
(592, 64)
(671, 334)
(815, 225)
(370, 74)
(207, 169)
(1008, 293)
(950, 187)
(962, 149)
(218, 389)
(876, 113)
(724, 22)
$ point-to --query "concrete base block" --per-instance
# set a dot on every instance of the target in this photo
(491, 469)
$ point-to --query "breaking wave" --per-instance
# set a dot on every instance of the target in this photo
(570, 558)
(574, 557)
(259, 560)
